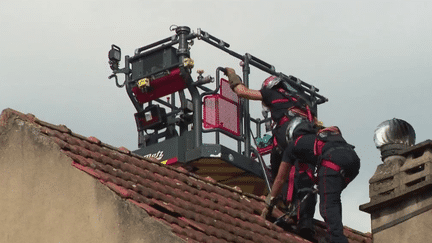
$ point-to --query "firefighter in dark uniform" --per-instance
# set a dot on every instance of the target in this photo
(284, 106)
(336, 162)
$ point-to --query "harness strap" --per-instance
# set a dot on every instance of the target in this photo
(280, 101)
(275, 143)
(291, 184)
(318, 145)
(283, 120)
(296, 141)
(309, 114)
(287, 95)
(304, 168)
(297, 112)
(331, 165)
(337, 168)
(304, 112)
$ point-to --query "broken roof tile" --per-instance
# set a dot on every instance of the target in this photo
(196, 209)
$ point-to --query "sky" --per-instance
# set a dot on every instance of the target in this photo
(371, 59)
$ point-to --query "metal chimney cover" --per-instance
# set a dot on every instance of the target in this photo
(394, 131)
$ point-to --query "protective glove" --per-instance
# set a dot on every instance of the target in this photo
(233, 78)
(267, 211)
(270, 201)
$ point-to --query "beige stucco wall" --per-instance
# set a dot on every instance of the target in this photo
(45, 199)
(414, 230)
(405, 209)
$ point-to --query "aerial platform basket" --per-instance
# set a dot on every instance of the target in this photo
(172, 129)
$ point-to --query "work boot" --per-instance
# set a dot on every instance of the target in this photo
(307, 233)
(306, 230)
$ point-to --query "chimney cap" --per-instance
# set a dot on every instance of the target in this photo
(394, 131)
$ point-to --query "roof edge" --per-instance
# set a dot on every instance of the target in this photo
(9, 113)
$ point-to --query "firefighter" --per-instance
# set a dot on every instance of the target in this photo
(336, 163)
(283, 106)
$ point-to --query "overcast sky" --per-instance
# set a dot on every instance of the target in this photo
(372, 59)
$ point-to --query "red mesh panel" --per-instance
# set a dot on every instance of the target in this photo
(222, 113)
(227, 92)
(209, 111)
(228, 116)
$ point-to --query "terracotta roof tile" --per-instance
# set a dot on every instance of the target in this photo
(197, 209)
(94, 140)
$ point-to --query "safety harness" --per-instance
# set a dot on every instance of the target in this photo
(300, 107)
(329, 134)
(302, 168)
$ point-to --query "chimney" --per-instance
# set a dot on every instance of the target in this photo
(400, 191)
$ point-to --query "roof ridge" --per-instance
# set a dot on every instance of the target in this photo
(7, 113)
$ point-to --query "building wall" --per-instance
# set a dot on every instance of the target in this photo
(417, 229)
(411, 206)
(45, 199)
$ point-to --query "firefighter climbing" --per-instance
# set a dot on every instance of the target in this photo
(303, 147)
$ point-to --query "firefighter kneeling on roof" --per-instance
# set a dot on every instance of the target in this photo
(336, 163)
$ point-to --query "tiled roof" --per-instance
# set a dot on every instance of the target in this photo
(197, 209)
